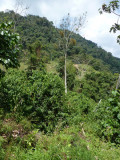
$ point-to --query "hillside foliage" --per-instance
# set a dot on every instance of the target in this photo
(34, 28)
(37, 119)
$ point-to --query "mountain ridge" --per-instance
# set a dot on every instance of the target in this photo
(33, 28)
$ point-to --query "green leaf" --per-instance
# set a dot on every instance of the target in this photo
(118, 116)
(110, 99)
(114, 93)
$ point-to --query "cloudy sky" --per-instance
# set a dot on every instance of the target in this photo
(96, 28)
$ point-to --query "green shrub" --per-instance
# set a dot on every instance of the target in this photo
(48, 98)
(9, 46)
(2, 152)
(39, 97)
(26, 125)
(71, 72)
(98, 85)
(78, 107)
(29, 140)
(14, 86)
(107, 115)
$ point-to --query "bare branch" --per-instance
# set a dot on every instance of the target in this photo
(68, 27)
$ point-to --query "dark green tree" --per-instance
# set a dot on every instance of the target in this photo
(36, 56)
(34, 28)
(39, 97)
(9, 46)
(107, 115)
(113, 7)
(98, 85)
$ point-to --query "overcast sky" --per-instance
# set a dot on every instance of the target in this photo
(96, 28)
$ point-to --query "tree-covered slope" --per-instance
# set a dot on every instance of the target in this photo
(34, 28)
(37, 119)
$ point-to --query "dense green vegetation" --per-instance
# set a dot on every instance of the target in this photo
(37, 119)
(9, 46)
(34, 28)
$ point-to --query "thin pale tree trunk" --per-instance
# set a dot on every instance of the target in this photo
(118, 82)
(14, 27)
(65, 74)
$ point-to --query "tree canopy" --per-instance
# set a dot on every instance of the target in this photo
(34, 28)
(9, 46)
(113, 7)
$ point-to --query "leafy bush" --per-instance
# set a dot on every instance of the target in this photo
(36, 58)
(9, 46)
(48, 98)
(98, 85)
(13, 89)
(78, 106)
(71, 72)
(26, 125)
(40, 97)
(107, 114)
(2, 152)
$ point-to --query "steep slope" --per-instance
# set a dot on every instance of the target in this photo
(34, 28)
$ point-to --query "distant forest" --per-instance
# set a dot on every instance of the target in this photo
(34, 29)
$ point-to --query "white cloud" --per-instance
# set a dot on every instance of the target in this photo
(6, 4)
(97, 30)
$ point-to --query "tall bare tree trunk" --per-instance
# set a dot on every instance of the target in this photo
(69, 26)
(14, 26)
(118, 82)
(65, 74)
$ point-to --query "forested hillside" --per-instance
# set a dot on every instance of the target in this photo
(39, 120)
(34, 28)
